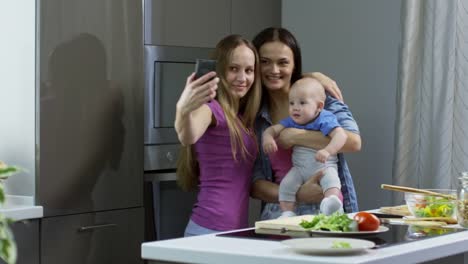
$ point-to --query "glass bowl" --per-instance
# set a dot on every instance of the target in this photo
(424, 205)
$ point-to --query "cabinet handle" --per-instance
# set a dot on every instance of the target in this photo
(160, 177)
(93, 227)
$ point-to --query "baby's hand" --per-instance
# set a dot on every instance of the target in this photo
(269, 145)
(322, 155)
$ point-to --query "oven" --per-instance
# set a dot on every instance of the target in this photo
(166, 70)
(167, 207)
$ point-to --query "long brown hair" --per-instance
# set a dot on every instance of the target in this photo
(187, 166)
(284, 36)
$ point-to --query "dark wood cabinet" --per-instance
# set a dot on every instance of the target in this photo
(26, 234)
(110, 237)
(202, 23)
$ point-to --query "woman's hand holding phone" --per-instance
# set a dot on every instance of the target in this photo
(198, 92)
(203, 67)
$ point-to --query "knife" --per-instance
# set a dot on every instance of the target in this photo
(389, 218)
(380, 215)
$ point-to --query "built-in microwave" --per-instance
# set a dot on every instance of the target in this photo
(166, 71)
(167, 208)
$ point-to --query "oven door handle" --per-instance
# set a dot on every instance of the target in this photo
(160, 177)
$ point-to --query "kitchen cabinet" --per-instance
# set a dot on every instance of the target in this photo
(250, 17)
(26, 234)
(94, 238)
(89, 97)
(199, 23)
(202, 23)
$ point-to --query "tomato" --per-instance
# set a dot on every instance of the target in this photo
(367, 221)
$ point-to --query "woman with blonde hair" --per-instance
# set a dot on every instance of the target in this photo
(214, 122)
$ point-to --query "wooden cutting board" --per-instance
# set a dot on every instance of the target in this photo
(396, 210)
(290, 223)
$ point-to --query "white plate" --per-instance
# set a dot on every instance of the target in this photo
(338, 233)
(324, 245)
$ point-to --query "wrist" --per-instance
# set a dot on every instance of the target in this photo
(330, 151)
(182, 110)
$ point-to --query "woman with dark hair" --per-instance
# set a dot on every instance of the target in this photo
(214, 123)
(280, 66)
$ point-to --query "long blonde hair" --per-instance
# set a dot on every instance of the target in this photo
(187, 166)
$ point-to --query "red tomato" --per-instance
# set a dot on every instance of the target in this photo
(367, 221)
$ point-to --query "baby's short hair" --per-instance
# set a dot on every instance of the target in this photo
(312, 83)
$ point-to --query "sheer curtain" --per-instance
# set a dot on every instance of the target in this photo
(432, 100)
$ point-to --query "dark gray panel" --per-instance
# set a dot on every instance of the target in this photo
(91, 106)
(175, 209)
(250, 17)
(188, 23)
(27, 240)
(112, 237)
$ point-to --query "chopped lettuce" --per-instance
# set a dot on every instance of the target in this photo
(435, 207)
(335, 222)
(340, 244)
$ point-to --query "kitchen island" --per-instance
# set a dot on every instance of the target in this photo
(449, 248)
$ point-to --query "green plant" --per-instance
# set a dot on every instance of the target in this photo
(8, 250)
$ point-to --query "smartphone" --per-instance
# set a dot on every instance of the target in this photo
(203, 67)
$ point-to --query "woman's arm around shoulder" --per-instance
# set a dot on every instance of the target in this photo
(328, 83)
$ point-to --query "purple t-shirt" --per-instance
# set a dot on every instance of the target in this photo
(223, 198)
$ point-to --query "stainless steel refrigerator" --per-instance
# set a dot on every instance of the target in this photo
(90, 123)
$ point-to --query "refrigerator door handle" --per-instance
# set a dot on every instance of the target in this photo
(94, 227)
(160, 177)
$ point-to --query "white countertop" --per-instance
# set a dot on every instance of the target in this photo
(20, 207)
(214, 249)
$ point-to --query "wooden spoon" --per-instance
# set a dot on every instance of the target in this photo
(414, 190)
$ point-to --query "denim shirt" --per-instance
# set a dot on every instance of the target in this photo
(262, 167)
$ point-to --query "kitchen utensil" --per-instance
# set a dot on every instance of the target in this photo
(385, 215)
(292, 224)
(415, 190)
(381, 229)
(395, 210)
(446, 220)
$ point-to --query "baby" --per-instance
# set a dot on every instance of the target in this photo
(306, 102)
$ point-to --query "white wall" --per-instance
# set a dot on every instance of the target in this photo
(17, 92)
(356, 42)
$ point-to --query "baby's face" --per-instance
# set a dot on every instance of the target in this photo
(303, 104)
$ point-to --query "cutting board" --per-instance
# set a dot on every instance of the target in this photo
(290, 223)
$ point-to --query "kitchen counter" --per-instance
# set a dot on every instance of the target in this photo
(20, 208)
(215, 249)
